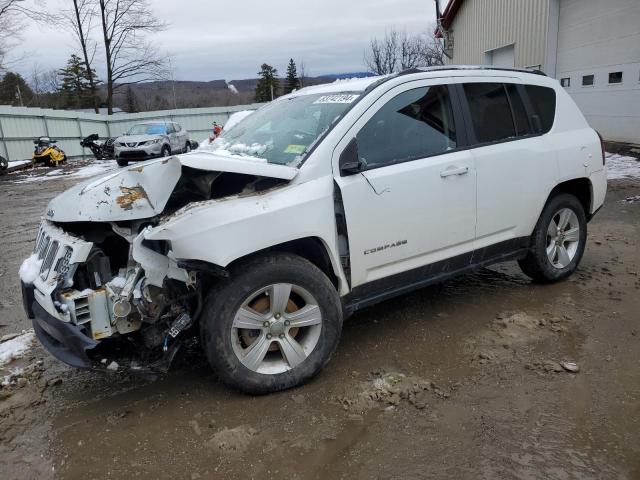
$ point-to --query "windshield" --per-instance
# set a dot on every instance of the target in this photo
(283, 131)
(148, 129)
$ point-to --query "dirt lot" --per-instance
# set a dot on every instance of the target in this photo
(461, 380)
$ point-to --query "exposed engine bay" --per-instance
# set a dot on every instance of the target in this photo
(129, 294)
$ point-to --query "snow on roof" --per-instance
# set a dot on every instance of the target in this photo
(347, 85)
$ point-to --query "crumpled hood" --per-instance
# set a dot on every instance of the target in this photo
(137, 138)
(142, 190)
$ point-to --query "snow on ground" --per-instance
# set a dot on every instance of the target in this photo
(92, 169)
(18, 163)
(15, 347)
(619, 166)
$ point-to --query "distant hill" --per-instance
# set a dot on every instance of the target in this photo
(189, 94)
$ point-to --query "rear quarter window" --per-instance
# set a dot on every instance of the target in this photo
(543, 103)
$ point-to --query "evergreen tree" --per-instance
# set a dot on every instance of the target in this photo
(75, 87)
(15, 91)
(268, 84)
(131, 101)
(292, 82)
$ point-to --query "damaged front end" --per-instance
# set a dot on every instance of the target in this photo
(102, 295)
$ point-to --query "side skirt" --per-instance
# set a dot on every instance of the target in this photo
(386, 288)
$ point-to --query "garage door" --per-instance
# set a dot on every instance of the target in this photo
(501, 57)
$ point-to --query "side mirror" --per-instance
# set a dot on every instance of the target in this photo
(349, 161)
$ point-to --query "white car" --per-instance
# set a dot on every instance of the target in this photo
(150, 140)
(325, 201)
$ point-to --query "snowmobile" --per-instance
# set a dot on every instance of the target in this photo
(100, 150)
(47, 152)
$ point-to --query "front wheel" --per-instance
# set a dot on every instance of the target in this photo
(187, 147)
(122, 162)
(558, 241)
(165, 152)
(273, 325)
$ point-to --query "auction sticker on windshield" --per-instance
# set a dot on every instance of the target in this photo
(338, 98)
(298, 149)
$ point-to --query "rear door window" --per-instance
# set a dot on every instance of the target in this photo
(415, 124)
(490, 112)
(543, 103)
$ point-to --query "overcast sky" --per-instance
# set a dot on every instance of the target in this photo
(229, 40)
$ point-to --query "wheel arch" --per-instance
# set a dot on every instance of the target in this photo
(312, 249)
(581, 188)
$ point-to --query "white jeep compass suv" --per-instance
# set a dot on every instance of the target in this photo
(320, 203)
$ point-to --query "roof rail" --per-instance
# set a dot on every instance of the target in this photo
(439, 68)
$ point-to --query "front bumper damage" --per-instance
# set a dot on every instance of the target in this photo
(64, 341)
(88, 329)
(108, 284)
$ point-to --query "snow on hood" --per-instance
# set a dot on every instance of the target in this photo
(211, 161)
(143, 190)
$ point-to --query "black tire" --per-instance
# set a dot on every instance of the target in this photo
(187, 147)
(227, 297)
(122, 162)
(165, 152)
(4, 164)
(537, 264)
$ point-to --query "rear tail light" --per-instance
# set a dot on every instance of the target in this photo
(602, 147)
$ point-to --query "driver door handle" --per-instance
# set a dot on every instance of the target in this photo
(454, 171)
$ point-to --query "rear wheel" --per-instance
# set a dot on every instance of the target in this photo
(187, 147)
(273, 325)
(4, 164)
(558, 241)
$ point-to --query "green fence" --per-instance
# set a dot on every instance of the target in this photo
(19, 126)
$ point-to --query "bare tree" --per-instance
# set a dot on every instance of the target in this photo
(12, 15)
(80, 18)
(302, 73)
(129, 58)
(433, 50)
(382, 57)
(398, 51)
(45, 85)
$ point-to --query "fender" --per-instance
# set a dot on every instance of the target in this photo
(223, 230)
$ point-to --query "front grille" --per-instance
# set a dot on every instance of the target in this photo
(53, 254)
(52, 251)
(63, 266)
(134, 154)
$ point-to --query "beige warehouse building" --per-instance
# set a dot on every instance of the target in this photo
(591, 46)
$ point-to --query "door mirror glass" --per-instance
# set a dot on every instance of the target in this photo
(350, 162)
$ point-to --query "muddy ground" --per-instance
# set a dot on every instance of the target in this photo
(462, 380)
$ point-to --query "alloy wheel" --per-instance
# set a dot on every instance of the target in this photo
(563, 238)
(276, 328)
